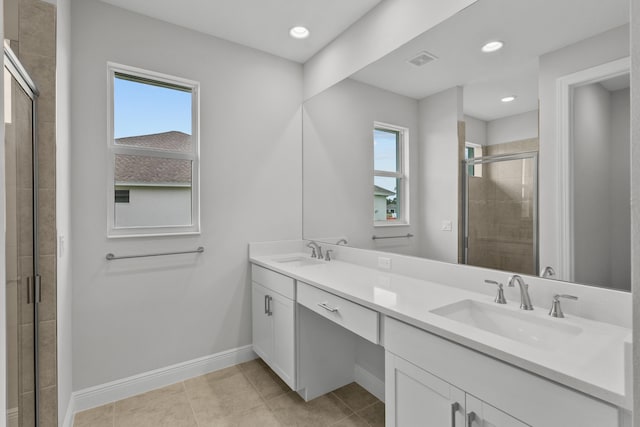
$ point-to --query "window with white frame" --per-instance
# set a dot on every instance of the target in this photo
(472, 151)
(153, 186)
(390, 175)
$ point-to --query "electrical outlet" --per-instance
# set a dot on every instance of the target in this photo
(446, 225)
(384, 263)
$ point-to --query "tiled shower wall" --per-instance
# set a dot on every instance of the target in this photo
(501, 204)
(33, 38)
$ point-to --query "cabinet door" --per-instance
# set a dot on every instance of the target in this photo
(283, 356)
(416, 398)
(481, 414)
(262, 323)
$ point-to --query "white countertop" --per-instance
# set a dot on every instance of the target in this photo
(592, 362)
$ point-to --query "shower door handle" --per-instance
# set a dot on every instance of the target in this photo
(29, 290)
(34, 289)
(38, 288)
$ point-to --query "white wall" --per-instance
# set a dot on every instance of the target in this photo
(620, 211)
(385, 28)
(506, 129)
(338, 163)
(475, 130)
(513, 128)
(132, 316)
(591, 176)
(606, 47)
(438, 117)
(63, 206)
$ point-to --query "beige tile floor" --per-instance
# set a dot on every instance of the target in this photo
(245, 395)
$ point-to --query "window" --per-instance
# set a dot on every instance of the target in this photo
(472, 151)
(122, 196)
(153, 163)
(390, 175)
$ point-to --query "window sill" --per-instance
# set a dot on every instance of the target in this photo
(158, 234)
(395, 224)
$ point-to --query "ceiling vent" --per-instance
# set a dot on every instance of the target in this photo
(422, 58)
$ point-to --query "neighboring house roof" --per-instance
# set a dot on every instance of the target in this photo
(379, 191)
(147, 170)
(172, 141)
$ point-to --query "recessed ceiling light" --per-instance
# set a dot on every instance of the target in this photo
(299, 32)
(508, 98)
(492, 46)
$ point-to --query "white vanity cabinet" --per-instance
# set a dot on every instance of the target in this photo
(416, 397)
(481, 414)
(273, 319)
(434, 382)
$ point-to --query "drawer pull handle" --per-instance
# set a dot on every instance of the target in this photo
(455, 406)
(328, 307)
(471, 417)
(269, 312)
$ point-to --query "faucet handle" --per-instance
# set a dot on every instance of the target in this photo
(556, 309)
(500, 299)
(313, 249)
(327, 257)
(547, 272)
(556, 297)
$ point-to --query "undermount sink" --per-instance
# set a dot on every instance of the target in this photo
(298, 261)
(524, 327)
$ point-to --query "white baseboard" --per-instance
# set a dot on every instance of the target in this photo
(92, 397)
(70, 414)
(12, 417)
(369, 382)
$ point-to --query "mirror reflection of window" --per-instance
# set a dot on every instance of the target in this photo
(389, 180)
(472, 151)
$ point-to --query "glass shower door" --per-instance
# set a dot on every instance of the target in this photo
(21, 264)
(501, 213)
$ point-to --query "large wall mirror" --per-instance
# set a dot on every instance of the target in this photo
(510, 155)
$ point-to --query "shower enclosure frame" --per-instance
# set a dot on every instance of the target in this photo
(13, 65)
(533, 155)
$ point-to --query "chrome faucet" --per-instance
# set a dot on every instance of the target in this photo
(342, 241)
(525, 300)
(547, 272)
(316, 250)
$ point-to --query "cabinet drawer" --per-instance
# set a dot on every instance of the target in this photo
(277, 282)
(354, 317)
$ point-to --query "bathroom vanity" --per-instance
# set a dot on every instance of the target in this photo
(452, 356)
